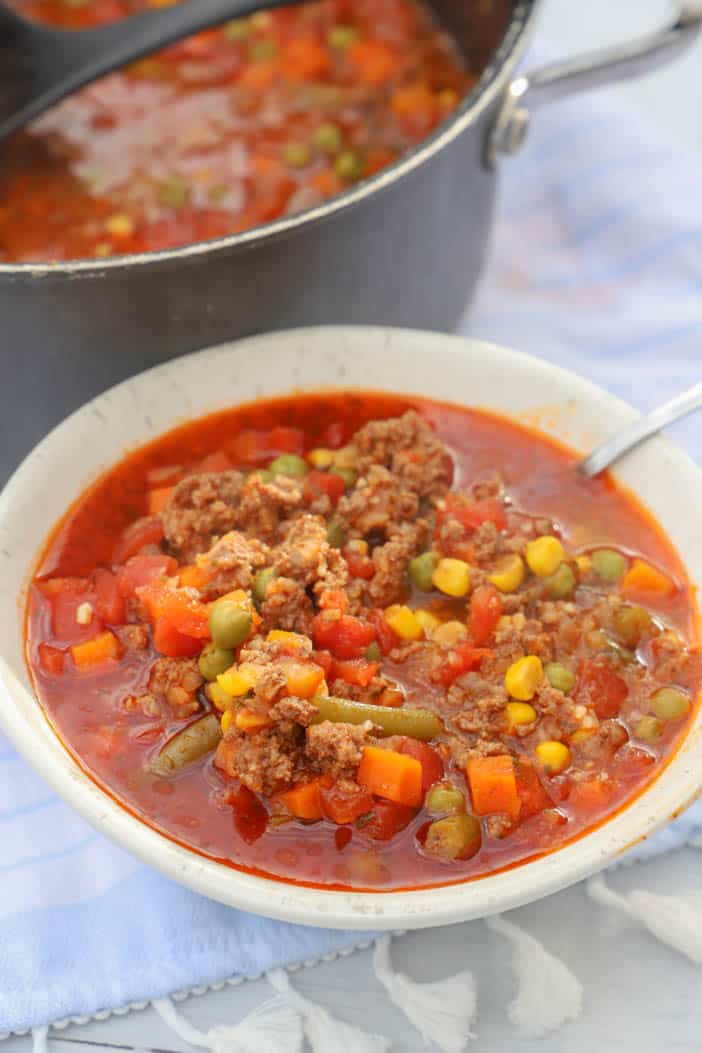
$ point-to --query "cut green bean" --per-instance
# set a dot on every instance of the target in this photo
(187, 746)
(415, 723)
(455, 837)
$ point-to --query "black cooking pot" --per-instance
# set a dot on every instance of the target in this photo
(403, 248)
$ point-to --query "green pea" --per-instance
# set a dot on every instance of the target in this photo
(455, 837)
(297, 155)
(342, 37)
(261, 582)
(263, 50)
(445, 798)
(560, 677)
(609, 565)
(335, 534)
(173, 193)
(328, 138)
(349, 475)
(214, 660)
(289, 464)
(561, 584)
(670, 704)
(264, 474)
(649, 729)
(373, 652)
(348, 166)
(421, 569)
(631, 623)
(229, 624)
(237, 29)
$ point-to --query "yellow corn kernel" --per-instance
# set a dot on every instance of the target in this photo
(580, 735)
(321, 457)
(428, 621)
(345, 457)
(227, 720)
(553, 756)
(452, 576)
(358, 544)
(238, 682)
(449, 633)
(248, 720)
(404, 622)
(237, 596)
(119, 225)
(519, 713)
(508, 574)
(584, 564)
(303, 680)
(221, 698)
(283, 636)
(523, 677)
(544, 555)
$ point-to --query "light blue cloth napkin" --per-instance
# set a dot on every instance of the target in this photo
(597, 265)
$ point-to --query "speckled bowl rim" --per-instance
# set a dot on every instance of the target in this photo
(407, 361)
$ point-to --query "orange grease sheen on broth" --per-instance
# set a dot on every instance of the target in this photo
(82, 708)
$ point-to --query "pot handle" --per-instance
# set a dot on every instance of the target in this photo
(589, 70)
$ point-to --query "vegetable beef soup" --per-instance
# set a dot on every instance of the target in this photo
(363, 641)
(225, 130)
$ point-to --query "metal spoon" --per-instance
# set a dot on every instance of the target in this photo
(630, 437)
(41, 64)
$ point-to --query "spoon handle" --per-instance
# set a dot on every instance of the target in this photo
(612, 449)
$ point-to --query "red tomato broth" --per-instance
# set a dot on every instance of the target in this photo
(218, 133)
(195, 808)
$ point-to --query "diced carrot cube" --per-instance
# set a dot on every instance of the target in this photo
(392, 775)
(493, 785)
(97, 650)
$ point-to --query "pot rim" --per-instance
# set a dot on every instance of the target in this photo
(564, 404)
(489, 85)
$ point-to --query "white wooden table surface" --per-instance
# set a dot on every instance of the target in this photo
(639, 996)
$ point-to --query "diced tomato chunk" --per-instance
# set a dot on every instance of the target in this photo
(323, 659)
(334, 600)
(168, 641)
(591, 795)
(146, 531)
(360, 566)
(344, 803)
(185, 613)
(386, 637)
(472, 514)
(432, 764)
(631, 762)
(345, 637)
(218, 461)
(65, 603)
(323, 484)
(531, 793)
(249, 814)
(51, 659)
(463, 658)
(357, 671)
(600, 687)
(142, 570)
(485, 612)
(386, 819)
(109, 602)
(285, 440)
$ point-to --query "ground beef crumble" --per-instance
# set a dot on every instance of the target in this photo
(336, 749)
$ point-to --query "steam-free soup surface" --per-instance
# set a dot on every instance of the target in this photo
(361, 640)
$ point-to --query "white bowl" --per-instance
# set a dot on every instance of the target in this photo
(429, 364)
